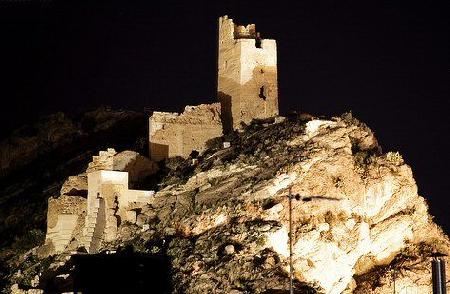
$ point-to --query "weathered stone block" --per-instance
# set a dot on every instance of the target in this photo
(63, 215)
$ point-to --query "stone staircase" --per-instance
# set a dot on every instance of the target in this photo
(94, 226)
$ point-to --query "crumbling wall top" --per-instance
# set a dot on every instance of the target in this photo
(245, 32)
(229, 30)
(104, 161)
(204, 114)
(73, 205)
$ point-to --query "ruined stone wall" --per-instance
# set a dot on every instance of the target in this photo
(64, 214)
(74, 220)
(138, 167)
(247, 74)
(104, 161)
(173, 134)
(108, 205)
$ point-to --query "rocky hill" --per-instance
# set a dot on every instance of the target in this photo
(36, 159)
(222, 220)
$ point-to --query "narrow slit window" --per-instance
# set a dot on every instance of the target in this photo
(258, 40)
(262, 93)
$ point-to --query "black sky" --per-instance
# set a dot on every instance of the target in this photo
(387, 61)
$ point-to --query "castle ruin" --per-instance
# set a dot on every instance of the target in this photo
(94, 219)
(247, 89)
(247, 74)
(172, 134)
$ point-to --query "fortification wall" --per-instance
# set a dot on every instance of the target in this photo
(173, 134)
(103, 161)
(73, 220)
(64, 214)
(109, 200)
(247, 74)
(259, 83)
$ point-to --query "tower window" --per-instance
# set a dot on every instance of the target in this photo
(258, 40)
(262, 93)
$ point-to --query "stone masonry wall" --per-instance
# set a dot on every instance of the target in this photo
(73, 220)
(247, 75)
(173, 134)
(108, 205)
(63, 215)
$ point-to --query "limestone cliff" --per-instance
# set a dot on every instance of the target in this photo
(359, 224)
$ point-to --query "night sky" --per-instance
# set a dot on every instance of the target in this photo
(387, 61)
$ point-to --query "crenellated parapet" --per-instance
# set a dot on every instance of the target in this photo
(247, 74)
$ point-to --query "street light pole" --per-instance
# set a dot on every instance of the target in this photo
(304, 199)
(438, 274)
(291, 267)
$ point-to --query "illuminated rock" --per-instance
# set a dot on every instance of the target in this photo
(360, 218)
(357, 221)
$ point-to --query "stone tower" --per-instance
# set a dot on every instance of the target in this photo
(247, 74)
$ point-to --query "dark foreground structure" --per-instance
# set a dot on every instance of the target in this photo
(439, 277)
(121, 273)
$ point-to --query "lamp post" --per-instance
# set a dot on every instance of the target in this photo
(438, 274)
(305, 199)
(291, 267)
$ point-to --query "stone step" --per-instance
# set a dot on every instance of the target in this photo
(87, 242)
(90, 222)
(92, 214)
(89, 239)
(91, 219)
(89, 236)
(88, 228)
(63, 237)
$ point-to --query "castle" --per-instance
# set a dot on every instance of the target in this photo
(247, 90)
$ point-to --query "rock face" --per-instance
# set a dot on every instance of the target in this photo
(30, 141)
(358, 223)
(360, 217)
